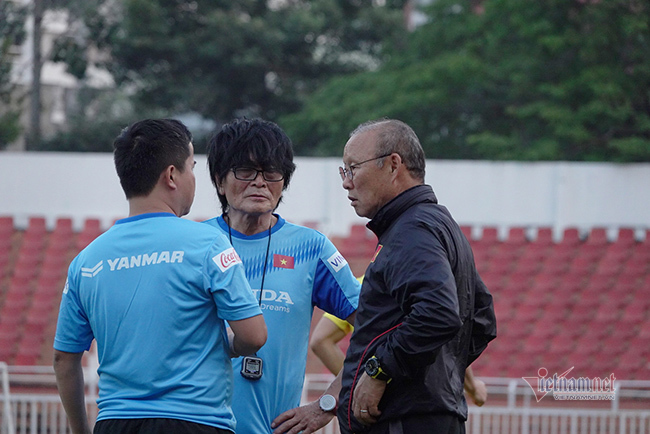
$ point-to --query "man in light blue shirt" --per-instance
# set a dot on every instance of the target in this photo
(291, 269)
(154, 291)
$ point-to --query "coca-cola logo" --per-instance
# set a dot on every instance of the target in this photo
(226, 259)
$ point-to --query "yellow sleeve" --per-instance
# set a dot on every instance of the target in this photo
(340, 323)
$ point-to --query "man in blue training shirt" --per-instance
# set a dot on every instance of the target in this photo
(155, 291)
(291, 269)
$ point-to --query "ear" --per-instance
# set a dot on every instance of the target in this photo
(395, 162)
(169, 177)
(220, 188)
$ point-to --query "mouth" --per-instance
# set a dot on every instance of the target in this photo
(257, 197)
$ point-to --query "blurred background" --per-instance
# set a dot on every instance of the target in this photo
(535, 120)
(479, 79)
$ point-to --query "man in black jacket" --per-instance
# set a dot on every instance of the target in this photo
(424, 313)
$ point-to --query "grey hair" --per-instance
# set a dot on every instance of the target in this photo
(396, 136)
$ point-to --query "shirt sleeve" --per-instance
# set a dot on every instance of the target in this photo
(227, 282)
(484, 324)
(336, 290)
(73, 331)
(342, 324)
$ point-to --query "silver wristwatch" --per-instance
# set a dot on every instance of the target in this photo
(327, 403)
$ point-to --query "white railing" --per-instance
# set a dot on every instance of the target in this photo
(511, 408)
(503, 420)
(7, 415)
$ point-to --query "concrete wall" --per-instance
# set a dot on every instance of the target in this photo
(478, 193)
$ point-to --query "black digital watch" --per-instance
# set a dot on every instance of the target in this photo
(373, 369)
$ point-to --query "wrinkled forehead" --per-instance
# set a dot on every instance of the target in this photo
(360, 147)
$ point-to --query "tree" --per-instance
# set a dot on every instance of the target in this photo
(223, 59)
(523, 80)
(12, 33)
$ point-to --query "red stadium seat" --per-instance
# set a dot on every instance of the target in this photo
(614, 345)
(588, 344)
(561, 345)
(571, 236)
(516, 236)
(597, 236)
(634, 314)
(626, 237)
(545, 328)
(544, 237)
(632, 366)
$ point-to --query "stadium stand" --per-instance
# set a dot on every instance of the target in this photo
(571, 301)
(578, 301)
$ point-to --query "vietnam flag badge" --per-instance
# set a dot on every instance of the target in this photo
(282, 261)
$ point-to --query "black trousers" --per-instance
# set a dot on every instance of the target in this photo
(154, 426)
(421, 424)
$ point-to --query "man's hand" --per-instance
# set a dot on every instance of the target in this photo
(478, 393)
(365, 401)
(475, 388)
(306, 419)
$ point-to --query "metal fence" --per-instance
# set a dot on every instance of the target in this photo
(511, 409)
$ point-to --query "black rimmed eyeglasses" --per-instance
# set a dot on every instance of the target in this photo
(249, 174)
(349, 172)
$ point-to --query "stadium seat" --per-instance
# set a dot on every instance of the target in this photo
(561, 345)
(545, 328)
(534, 346)
(529, 311)
(597, 237)
(570, 237)
(602, 365)
(636, 312)
(632, 368)
(607, 313)
(516, 237)
(490, 235)
(63, 229)
(639, 346)
(614, 345)
(644, 330)
(524, 365)
(6, 232)
(544, 237)
(36, 226)
(529, 265)
(556, 310)
(626, 237)
(590, 341)
(91, 230)
(15, 301)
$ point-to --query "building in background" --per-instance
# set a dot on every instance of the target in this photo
(58, 89)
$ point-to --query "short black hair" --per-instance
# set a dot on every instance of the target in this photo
(144, 149)
(249, 143)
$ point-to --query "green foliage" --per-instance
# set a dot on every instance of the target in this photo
(223, 59)
(524, 80)
(12, 32)
(98, 120)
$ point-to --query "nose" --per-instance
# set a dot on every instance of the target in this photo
(347, 184)
(259, 178)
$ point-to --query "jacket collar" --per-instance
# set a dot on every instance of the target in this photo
(398, 205)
